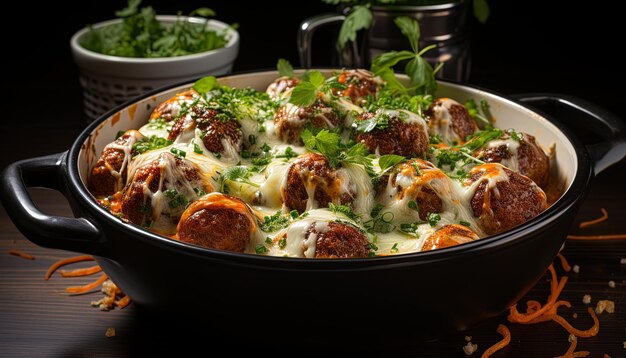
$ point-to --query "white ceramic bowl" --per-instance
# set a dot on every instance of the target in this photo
(108, 81)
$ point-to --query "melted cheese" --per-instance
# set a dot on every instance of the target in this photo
(441, 121)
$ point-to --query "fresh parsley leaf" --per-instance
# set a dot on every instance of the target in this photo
(389, 160)
(130, 9)
(304, 94)
(324, 142)
(284, 68)
(420, 72)
(205, 84)
(472, 109)
(238, 173)
(359, 18)
(479, 139)
(203, 11)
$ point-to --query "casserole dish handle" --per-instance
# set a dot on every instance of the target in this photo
(75, 234)
(612, 131)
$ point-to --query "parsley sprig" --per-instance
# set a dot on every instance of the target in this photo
(336, 152)
(420, 72)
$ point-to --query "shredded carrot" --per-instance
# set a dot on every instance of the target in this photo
(516, 317)
(591, 332)
(82, 271)
(82, 289)
(604, 217)
(564, 263)
(506, 339)
(570, 352)
(123, 302)
(69, 260)
(597, 237)
(21, 254)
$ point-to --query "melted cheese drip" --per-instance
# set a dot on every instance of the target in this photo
(441, 121)
(133, 137)
(512, 162)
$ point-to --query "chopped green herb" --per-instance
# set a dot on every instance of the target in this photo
(417, 168)
(288, 154)
(373, 246)
(345, 210)
(205, 84)
(237, 173)
(119, 134)
(176, 199)
(282, 243)
(199, 191)
(394, 248)
(252, 139)
(268, 240)
(465, 223)
(274, 223)
(433, 219)
(197, 149)
(178, 152)
(294, 214)
(260, 249)
(412, 205)
(150, 143)
(517, 136)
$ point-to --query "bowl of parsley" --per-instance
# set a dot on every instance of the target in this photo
(122, 58)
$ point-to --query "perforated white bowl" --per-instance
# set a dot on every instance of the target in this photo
(108, 81)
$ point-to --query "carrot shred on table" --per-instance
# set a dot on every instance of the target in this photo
(555, 289)
(88, 287)
(67, 261)
(597, 237)
(591, 332)
(564, 263)
(604, 217)
(506, 339)
(81, 271)
(21, 254)
(123, 302)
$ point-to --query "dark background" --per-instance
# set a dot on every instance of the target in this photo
(530, 46)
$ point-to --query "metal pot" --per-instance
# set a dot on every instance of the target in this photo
(451, 288)
(445, 25)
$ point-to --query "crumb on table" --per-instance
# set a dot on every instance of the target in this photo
(110, 333)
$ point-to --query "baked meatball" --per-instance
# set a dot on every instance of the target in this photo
(450, 120)
(424, 186)
(449, 235)
(502, 198)
(170, 109)
(218, 221)
(520, 153)
(392, 132)
(278, 88)
(160, 190)
(311, 173)
(108, 176)
(220, 133)
(357, 85)
(290, 120)
(323, 239)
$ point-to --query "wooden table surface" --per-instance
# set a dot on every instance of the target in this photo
(38, 319)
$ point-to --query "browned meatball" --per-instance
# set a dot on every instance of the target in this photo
(290, 120)
(419, 187)
(311, 173)
(449, 235)
(220, 133)
(170, 109)
(218, 221)
(502, 198)
(357, 85)
(177, 183)
(395, 132)
(518, 152)
(281, 85)
(338, 240)
(450, 120)
(108, 176)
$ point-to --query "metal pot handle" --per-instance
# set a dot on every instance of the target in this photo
(305, 36)
(75, 234)
(612, 149)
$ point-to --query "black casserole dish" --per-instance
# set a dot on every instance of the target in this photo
(447, 288)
